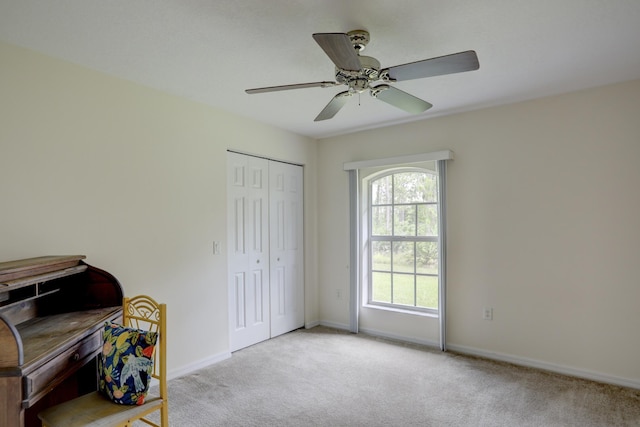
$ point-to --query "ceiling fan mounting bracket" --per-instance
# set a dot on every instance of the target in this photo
(359, 39)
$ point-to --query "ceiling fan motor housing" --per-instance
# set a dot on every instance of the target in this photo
(358, 81)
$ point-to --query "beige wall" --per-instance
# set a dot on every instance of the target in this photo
(134, 179)
(544, 208)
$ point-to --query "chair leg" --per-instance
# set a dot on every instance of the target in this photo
(164, 414)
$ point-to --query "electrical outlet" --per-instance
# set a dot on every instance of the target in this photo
(216, 248)
(487, 314)
(338, 294)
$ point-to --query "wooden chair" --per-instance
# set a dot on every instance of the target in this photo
(95, 410)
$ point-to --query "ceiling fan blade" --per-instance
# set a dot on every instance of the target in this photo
(333, 106)
(289, 87)
(448, 64)
(400, 99)
(339, 49)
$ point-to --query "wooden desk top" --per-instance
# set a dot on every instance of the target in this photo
(41, 335)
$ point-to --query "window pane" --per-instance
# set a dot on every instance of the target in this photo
(403, 257)
(427, 220)
(404, 220)
(430, 188)
(381, 191)
(427, 257)
(381, 287)
(381, 221)
(403, 290)
(427, 291)
(412, 187)
(381, 256)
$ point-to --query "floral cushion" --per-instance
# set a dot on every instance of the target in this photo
(126, 363)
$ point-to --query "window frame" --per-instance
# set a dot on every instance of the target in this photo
(367, 232)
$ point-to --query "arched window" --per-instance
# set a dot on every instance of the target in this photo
(403, 249)
(397, 228)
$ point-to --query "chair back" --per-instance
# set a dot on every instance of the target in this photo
(143, 312)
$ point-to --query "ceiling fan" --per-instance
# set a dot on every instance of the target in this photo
(359, 72)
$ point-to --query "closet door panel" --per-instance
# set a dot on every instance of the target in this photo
(286, 243)
(248, 272)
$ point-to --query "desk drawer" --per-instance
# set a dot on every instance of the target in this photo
(46, 377)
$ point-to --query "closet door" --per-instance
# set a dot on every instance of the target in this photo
(248, 249)
(286, 247)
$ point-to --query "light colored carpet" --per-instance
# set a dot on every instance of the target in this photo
(325, 377)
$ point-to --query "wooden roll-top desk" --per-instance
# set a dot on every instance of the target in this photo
(52, 310)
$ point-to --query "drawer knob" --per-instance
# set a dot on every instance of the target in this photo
(75, 357)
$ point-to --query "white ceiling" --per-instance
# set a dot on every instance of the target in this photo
(211, 50)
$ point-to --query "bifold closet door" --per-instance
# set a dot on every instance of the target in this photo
(265, 249)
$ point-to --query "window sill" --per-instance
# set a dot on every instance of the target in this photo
(402, 310)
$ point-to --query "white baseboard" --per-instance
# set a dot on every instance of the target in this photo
(377, 333)
(185, 370)
(395, 337)
(310, 325)
(333, 325)
(551, 367)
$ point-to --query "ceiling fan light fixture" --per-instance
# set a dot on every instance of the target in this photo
(358, 85)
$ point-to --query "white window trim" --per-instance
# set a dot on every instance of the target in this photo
(401, 160)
